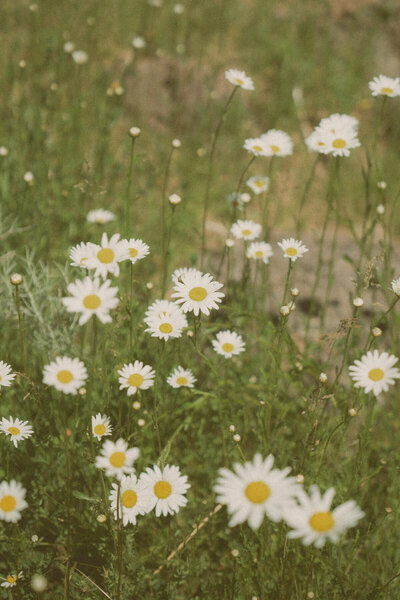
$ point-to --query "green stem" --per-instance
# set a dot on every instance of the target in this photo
(20, 326)
(163, 219)
(128, 191)
(119, 543)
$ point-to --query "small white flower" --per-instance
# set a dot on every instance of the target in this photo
(100, 216)
(11, 580)
(29, 178)
(160, 307)
(136, 376)
(132, 500)
(178, 273)
(235, 200)
(337, 122)
(278, 143)
(385, 86)
(89, 297)
(106, 256)
(292, 249)
(240, 79)
(260, 251)
(17, 430)
(258, 184)
(181, 377)
(6, 376)
(3, 151)
(246, 230)
(198, 292)
(228, 343)
(166, 325)
(136, 249)
(316, 141)
(12, 501)
(65, 374)
(138, 42)
(80, 254)
(341, 142)
(165, 489)
(375, 372)
(174, 199)
(395, 287)
(101, 426)
(256, 146)
(116, 458)
(315, 522)
(80, 57)
(69, 47)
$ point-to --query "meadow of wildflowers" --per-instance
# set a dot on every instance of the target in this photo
(200, 274)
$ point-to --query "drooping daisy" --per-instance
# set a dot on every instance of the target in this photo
(6, 376)
(165, 489)
(17, 430)
(278, 143)
(375, 372)
(396, 286)
(136, 249)
(80, 254)
(256, 146)
(228, 344)
(258, 184)
(116, 458)
(240, 79)
(292, 249)
(260, 251)
(11, 580)
(136, 376)
(313, 520)
(132, 500)
(181, 377)
(177, 274)
(166, 325)
(65, 374)
(12, 501)
(107, 255)
(89, 297)
(246, 230)
(255, 489)
(101, 426)
(198, 292)
(99, 215)
(385, 86)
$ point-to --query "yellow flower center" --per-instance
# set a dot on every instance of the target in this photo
(162, 489)
(257, 492)
(0, 377)
(246, 232)
(258, 253)
(291, 251)
(339, 143)
(64, 376)
(275, 148)
(257, 148)
(117, 459)
(386, 90)
(8, 503)
(197, 294)
(376, 374)
(106, 255)
(165, 328)
(12, 578)
(239, 81)
(322, 521)
(259, 183)
(135, 380)
(99, 429)
(91, 302)
(227, 347)
(181, 381)
(13, 430)
(129, 498)
(133, 252)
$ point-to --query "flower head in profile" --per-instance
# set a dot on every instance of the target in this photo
(105, 257)
(65, 374)
(165, 489)
(89, 298)
(6, 375)
(228, 344)
(178, 273)
(100, 216)
(101, 426)
(116, 458)
(396, 286)
(181, 377)
(17, 430)
(136, 376)
(240, 79)
(12, 501)
(198, 292)
(375, 372)
(258, 184)
(385, 86)
(292, 249)
(277, 143)
(260, 251)
(255, 489)
(11, 580)
(246, 230)
(132, 500)
(136, 249)
(313, 520)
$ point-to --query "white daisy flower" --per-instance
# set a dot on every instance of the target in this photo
(136, 376)
(260, 251)
(340, 142)
(375, 372)
(12, 501)
(337, 122)
(132, 500)
(107, 255)
(6, 376)
(80, 254)
(160, 307)
(17, 430)
(228, 343)
(101, 426)
(198, 292)
(166, 325)
(116, 458)
(278, 143)
(89, 297)
(165, 489)
(256, 146)
(177, 274)
(65, 374)
(313, 520)
(256, 489)
(316, 141)
(235, 200)
(80, 57)
(11, 580)
(395, 287)
(385, 86)
(181, 377)
(258, 184)
(240, 79)
(99, 215)
(246, 230)
(136, 249)
(292, 249)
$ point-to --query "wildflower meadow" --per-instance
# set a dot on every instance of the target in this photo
(200, 284)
